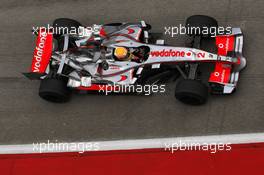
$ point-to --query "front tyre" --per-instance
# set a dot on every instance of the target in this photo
(191, 92)
(54, 90)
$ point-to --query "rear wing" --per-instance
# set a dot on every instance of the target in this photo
(225, 76)
(42, 54)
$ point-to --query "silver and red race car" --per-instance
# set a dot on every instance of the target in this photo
(115, 55)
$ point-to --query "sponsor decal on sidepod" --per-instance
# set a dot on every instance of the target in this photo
(174, 53)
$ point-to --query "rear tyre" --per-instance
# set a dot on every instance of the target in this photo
(201, 25)
(54, 90)
(191, 92)
(64, 25)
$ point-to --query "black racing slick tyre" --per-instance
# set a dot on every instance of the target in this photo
(65, 25)
(54, 90)
(201, 25)
(191, 92)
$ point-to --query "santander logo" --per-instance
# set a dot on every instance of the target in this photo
(39, 51)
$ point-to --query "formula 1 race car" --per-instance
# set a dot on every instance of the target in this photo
(102, 56)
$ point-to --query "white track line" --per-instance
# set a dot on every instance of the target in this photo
(142, 143)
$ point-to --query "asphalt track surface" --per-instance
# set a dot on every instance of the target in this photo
(25, 118)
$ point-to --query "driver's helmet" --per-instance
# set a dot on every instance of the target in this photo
(121, 53)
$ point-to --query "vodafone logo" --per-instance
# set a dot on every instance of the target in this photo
(39, 52)
(188, 53)
(223, 76)
(217, 74)
(221, 45)
(227, 44)
(176, 53)
(168, 53)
